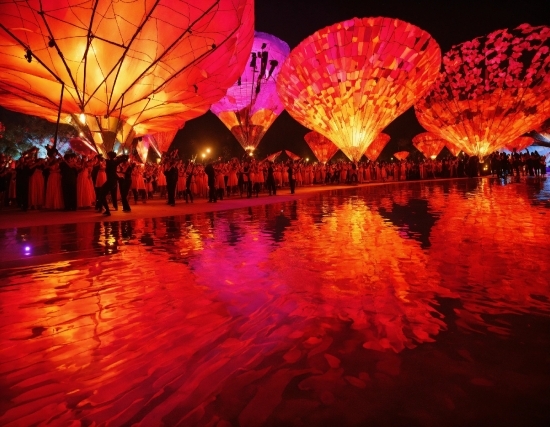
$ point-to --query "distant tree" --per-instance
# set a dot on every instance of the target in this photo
(27, 131)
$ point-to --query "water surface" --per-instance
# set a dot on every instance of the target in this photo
(410, 304)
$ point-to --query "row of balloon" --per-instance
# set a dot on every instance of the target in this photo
(135, 85)
(350, 80)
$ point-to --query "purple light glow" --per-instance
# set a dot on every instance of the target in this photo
(251, 105)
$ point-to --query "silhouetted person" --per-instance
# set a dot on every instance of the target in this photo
(110, 185)
(188, 181)
(22, 176)
(171, 173)
(211, 173)
(270, 180)
(68, 181)
(124, 176)
(291, 181)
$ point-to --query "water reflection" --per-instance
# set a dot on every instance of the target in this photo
(389, 305)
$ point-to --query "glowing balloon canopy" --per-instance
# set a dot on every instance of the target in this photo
(453, 148)
(161, 141)
(376, 147)
(348, 81)
(322, 147)
(542, 134)
(401, 155)
(520, 143)
(493, 89)
(252, 104)
(429, 144)
(120, 69)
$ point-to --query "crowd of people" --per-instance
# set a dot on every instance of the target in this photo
(72, 181)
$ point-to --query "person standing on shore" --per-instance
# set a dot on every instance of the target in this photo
(291, 181)
(110, 185)
(211, 173)
(270, 180)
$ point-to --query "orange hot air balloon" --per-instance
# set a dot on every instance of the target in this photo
(322, 147)
(252, 104)
(520, 143)
(348, 81)
(401, 155)
(453, 148)
(493, 89)
(429, 144)
(376, 147)
(121, 69)
(161, 141)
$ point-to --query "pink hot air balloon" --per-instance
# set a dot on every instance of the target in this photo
(350, 80)
(429, 144)
(322, 147)
(251, 105)
(376, 147)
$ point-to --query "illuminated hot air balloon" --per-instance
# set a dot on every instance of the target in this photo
(493, 89)
(376, 147)
(348, 81)
(142, 148)
(520, 143)
(120, 69)
(161, 141)
(322, 147)
(542, 134)
(429, 144)
(401, 155)
(252, 104)
(453, 148)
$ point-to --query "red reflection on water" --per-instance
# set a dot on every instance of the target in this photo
(285, 313)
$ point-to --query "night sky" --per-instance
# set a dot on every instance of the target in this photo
(449, 22)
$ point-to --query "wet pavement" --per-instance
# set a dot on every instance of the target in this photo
(408, 304)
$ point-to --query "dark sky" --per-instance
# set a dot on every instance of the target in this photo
(448, 21)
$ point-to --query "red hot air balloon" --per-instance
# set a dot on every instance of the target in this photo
(376, 147)
(322, 147)
(401, 155)
(429, 144)
(520, 143)
(349, 81)
(492, 90)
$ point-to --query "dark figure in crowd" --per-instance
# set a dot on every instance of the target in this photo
(95, 171)
(211, 173)
(291, 181)
(124, 177)
(68, 181)
(22, 176)
(171, 173)
(270, 180)
(110, 185)
(188, 181)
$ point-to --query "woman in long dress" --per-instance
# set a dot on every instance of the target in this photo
(85, 191)
(37, 185)
(161, 183)
(138, 184)
(54, 192)
(232, 179)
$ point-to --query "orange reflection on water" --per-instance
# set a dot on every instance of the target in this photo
(333, 309)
